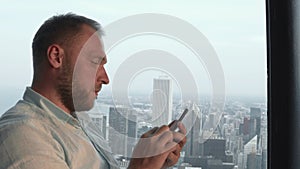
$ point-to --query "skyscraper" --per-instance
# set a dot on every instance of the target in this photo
(192, 147)
(100, 121)
(162, 101)
(249, 147)
(215, 148)
(123, 129)
(104, 127)
(132, 133)
(254, 161)
(255, 115)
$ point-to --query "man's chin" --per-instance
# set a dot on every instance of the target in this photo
(84, 107)
(82, 103)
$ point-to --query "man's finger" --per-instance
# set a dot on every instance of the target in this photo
(162, 129)
(178, 137)
(177, 150)
(181, 127)
(150, 132)
(173, 157)
(165, 137)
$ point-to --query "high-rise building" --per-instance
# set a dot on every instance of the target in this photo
(162, 100)
(211, 120)
(132, 133)
(255, 117)
(254, 161)
(247, 129)
(249, 148)
(264, 159)
(104, 126)
(253, 128)
(192, 147)
(123, 129)
(100, 122)
(240, 160)
(255, 113)
(215, 148)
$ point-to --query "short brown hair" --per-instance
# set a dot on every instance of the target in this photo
(59, 29)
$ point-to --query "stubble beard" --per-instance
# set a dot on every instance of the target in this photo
(72, 95)
(64, 87)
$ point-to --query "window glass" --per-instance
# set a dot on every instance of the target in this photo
(164, 56)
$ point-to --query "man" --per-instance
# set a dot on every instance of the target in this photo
(44, 131)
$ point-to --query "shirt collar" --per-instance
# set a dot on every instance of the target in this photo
(40, 101)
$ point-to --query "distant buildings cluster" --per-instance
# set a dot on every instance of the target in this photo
(235, 138)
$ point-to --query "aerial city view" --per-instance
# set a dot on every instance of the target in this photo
(235, 138)
(158, 58)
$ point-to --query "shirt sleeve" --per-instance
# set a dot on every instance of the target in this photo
(28, 146)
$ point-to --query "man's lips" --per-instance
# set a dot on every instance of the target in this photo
(97, 90)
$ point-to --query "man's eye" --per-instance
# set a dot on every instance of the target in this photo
(96, 60)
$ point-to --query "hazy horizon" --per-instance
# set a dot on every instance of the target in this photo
(235, 29)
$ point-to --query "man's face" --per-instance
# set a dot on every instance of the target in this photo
(85, 68)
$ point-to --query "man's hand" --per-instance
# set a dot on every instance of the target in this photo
(158, 148)
(180, 138)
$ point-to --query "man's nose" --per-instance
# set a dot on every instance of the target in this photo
(102, 75)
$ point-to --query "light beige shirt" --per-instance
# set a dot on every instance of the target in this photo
(36, 134)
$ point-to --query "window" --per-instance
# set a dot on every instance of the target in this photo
(209, 57)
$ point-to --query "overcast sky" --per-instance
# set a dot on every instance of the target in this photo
(235, 28)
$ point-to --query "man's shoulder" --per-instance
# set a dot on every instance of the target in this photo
(22, 121)
(21, 114)
(21, 111)
(24, 136)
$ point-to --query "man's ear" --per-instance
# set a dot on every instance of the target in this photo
(55, 55)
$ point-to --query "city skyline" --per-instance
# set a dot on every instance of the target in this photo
(235, 29)
(240, 135)
(236, 140)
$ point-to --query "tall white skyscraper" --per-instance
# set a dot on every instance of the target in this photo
(162, 100)
(249, 147)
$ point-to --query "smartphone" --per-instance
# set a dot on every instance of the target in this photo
(173, 127)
